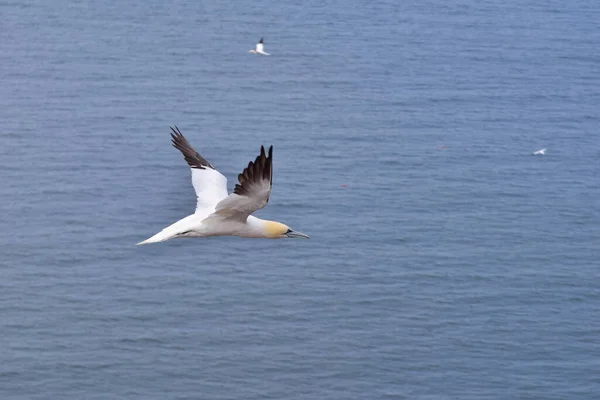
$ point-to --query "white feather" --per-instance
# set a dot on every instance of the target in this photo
(238, 207)
(260, 49)
(210, 186)
(217, 213)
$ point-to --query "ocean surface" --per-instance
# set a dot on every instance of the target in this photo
(446, 261)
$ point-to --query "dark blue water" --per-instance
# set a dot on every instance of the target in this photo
(446, 262)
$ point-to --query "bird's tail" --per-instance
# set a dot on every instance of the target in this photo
(159, 237)
(174, 230)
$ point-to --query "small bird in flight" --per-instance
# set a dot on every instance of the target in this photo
(219, 213)
(260, 48)
(539, 152)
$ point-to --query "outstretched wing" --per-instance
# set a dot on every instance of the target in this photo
(260, 47)
(210, 185)
(253, 190)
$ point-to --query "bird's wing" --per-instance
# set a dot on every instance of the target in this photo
(253, 190)
(260, 48)
(210, 185)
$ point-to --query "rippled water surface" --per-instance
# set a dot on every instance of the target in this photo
(446, 262)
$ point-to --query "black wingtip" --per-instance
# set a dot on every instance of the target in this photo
(191, 156)
(261, 169)
(263, 153)
(261, 40)
(175, 132)
(175, 135)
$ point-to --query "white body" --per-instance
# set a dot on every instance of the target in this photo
(219, 213)
(260, 49)
(196, 226)
(231, 220)
(540, 152)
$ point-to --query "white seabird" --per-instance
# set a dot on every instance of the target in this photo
(539, 152)
(219, 213)
(260, 48)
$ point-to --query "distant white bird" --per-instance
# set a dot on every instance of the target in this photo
(539, 152)
(260, 48)
(219, 213)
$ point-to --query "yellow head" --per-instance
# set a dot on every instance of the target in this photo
(276, 230)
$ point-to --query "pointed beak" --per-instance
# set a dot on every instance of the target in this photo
(297, 235)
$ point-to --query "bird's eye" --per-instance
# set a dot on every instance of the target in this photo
(288, 231)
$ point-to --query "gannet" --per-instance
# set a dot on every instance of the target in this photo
(539, 152)
(219, 213)
(260, 48)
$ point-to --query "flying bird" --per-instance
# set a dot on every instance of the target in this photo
(260, 48)
(539, 152)
(219, 213)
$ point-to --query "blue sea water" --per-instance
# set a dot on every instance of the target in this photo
(446, 262)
